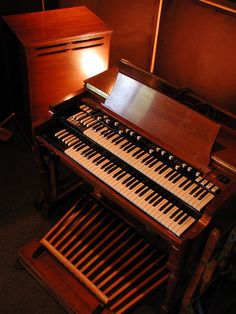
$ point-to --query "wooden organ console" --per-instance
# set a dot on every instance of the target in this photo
(156, 177)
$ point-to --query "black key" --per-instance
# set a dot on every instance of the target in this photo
(178, 216)
(146, 158)
(100, 160)
(131, 149)
(157, 201)
(183, 220)
(112, 169)
(144, 191)
(188, 185)
(97, 159)
(183, 183)
(77, 145)
(150, 196)
(194, 190)
(121, 176)
(99, 127)
(124, 145)
(202, 195)
(119, 141)
(108, 167)
(91, 154)
(149, 160)
(198, 192)
(115, 138)
(163, 169)
(127, 179)
(153, 163)
(176, 179)
(86, 151)
(95, 125)
(134, 185)
(175, 213)
(107, 132)
(140, 189)
(106, 164)
(131, 181)
(104, 132)
(80, 147)
(159, 167)
(169, 173)
(140, 154)
(128, 146)
(171, 205)
(154, 198)
(110, 135)
(137, 152)
(164, 206)
(173, 176)
(118, 173)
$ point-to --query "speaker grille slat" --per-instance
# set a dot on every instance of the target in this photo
(87, 46)
(87, 40)
(64, 47)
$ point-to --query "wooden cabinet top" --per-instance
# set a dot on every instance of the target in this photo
(51, 26)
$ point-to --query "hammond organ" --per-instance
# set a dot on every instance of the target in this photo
(156, 188)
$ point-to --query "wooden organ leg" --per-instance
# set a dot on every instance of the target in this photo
(196, 279)
(53, 189)
(176, 265)
(48, 166)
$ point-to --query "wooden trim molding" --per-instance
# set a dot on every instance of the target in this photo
(224, 5)
(156, 33)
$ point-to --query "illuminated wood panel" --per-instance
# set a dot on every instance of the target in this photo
(59, 49)
(133, 22)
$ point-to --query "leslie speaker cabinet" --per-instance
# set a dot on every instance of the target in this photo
(50, 54)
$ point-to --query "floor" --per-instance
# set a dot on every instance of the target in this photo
(20, 222)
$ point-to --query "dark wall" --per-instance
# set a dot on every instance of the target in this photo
(133, 23)
(197, 49)
(22, 6)
(55, 4)
(8, 7)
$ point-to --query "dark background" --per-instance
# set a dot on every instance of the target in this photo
(196, 49)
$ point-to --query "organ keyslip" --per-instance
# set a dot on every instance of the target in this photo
(152, 161)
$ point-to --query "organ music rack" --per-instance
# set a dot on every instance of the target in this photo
(137, 108)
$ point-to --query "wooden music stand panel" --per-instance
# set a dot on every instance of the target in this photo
(168, 123)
